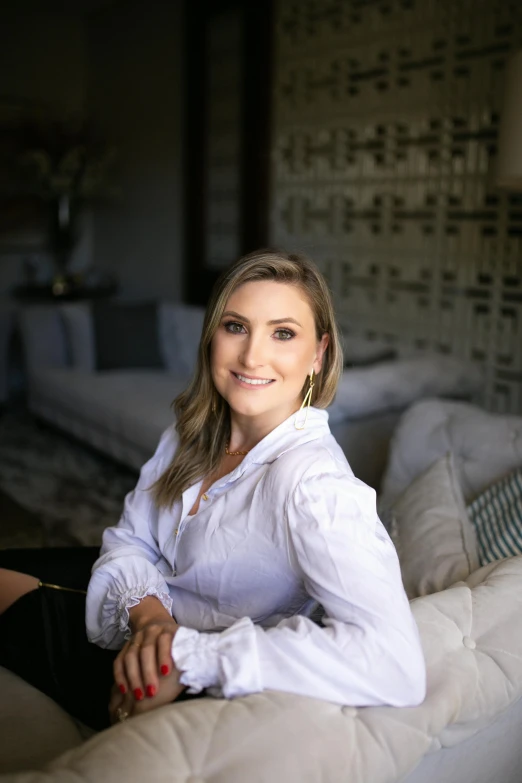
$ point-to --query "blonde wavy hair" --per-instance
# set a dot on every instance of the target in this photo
(203, 417)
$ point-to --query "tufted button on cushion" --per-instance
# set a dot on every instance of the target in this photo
(469, 642)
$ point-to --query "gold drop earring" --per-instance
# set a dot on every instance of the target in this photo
(306, 403)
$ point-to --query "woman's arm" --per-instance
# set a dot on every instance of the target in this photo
(126, 572)
(369, 651)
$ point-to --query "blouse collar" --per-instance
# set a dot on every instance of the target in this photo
(282, 439)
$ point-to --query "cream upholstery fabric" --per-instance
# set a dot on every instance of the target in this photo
(472, 640)
(122, 413)
(432, 532)
(397, 384)
(486, 446)
(33, 729)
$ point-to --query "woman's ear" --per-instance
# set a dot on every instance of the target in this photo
(321, 348)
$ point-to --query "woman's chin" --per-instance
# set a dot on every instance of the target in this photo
(249, 403)
(256, 407)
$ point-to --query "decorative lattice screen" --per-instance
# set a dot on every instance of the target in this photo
(385, 130)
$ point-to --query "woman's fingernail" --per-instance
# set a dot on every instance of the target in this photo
(164, 669)
(151, 691)
(122, 688)
(138, 694)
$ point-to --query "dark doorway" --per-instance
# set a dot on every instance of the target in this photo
(227, 141)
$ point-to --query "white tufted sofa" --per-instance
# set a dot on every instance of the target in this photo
(123, 412)
(468, 729)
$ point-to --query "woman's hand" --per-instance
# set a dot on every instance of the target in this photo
(146, 658)
(125, 704)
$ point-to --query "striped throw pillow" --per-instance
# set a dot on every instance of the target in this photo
(497, 518)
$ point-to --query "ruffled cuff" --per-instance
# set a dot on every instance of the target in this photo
(226, 663)
(131, 598)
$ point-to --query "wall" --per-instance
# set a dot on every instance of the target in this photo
(135, 95)
(385, 125)
(43, 72)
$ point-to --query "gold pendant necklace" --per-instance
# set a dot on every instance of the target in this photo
(235, 453)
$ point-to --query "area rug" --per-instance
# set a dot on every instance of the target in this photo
(73, 492)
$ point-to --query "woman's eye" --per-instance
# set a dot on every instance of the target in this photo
(234, 327)
(284, 334)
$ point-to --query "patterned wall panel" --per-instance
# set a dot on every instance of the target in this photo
(386, 116)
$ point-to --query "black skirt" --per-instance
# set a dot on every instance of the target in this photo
(43, 637)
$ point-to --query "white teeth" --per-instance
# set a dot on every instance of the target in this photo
(251, 381)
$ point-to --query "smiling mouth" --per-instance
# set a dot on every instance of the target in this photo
(253, 381)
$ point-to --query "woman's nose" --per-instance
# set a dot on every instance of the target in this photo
(253, 352)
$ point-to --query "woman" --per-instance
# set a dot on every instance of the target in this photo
(246, 519)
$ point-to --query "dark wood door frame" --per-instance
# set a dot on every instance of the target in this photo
(257, 18)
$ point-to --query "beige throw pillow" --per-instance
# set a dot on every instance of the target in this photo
(432, 532)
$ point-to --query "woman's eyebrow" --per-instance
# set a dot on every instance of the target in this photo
(284, 321)
(270, 323)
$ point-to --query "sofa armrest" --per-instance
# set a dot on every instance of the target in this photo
(471, 637)
(43, 337)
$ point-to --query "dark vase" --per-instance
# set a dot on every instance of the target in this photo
(62, 233)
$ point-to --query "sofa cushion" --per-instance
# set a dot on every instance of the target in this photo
(431, 530)
(486, 446)
(472, 640)
(130, 407)
(126, 335)
(33, 728)
(43, 337)
(497, 518)
(180, 329)
(394, 385)
(79, 335)
(362, 352)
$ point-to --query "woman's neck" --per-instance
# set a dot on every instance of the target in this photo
(247, 431)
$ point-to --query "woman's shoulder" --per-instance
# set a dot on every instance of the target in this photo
(164, 453)
(316, 459)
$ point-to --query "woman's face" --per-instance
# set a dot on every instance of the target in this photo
(264, 348)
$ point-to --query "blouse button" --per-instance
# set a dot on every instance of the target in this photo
(205, 497)
(176, 531)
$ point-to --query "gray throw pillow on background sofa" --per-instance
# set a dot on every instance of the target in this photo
(126, 336)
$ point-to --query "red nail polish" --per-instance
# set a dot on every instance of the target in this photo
(151, 691)
(138, 694)
(164, 669)
(122, 688)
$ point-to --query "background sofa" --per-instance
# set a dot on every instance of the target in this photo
(467, 730)
(123, 411)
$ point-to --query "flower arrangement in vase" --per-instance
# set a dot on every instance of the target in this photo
(67, 167)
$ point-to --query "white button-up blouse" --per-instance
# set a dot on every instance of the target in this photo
(289, 529)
